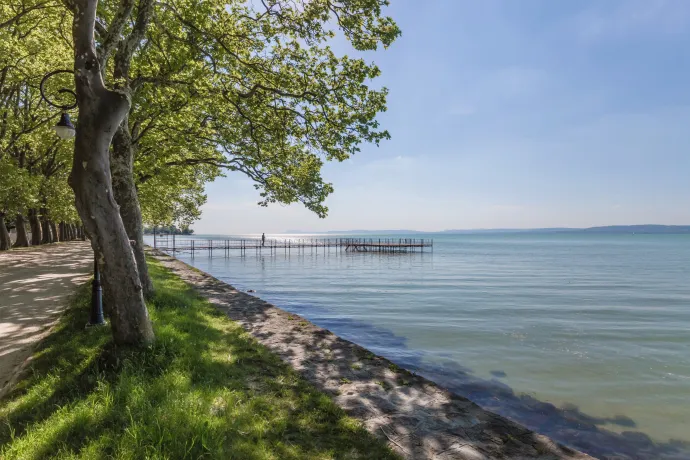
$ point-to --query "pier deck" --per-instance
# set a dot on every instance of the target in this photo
(174, 243)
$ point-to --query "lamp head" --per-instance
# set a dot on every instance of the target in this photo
(65, 129)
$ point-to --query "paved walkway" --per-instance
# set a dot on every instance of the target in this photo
(34, 285)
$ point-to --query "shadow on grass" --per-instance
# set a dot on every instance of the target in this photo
(204, 389)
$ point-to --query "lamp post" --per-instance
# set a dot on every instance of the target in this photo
(66, 130)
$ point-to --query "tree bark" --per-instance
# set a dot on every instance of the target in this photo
(5, 241)
(35, 227)
(100, 113)
(82, 233)
(122, 170)
(22, 238)
(53, 231)
(45, 229)
(61, 231)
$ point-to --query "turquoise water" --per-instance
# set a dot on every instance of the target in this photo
(582, 337)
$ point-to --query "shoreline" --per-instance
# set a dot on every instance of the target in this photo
(416, 417)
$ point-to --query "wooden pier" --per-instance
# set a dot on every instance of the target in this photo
(226, 247)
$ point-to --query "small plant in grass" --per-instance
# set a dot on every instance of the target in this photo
(403, 382)
(364, 354)
(393, 367)
(385, 385)
(345, 380)
(356, 366)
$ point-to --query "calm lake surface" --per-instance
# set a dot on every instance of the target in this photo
(582, 337)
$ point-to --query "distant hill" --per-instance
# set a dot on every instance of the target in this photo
(649, 228)
(356, 232)
(640, 229)
(515, 230)
(643, 229)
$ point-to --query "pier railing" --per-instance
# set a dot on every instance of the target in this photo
(175, 243)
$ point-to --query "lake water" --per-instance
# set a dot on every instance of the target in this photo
(583, 337)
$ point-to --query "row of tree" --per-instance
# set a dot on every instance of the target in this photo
(171, 94)
(169, 229)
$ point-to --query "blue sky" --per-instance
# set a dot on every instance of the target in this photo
(511, 114)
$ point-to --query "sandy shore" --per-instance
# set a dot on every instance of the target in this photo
(418, 419)
(34, 285)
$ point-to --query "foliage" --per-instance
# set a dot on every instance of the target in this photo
(236, 86)
(33, 41)
(169, 229)
(278, 100)
(17, 188)
(59, 199)
(245, 86)
(205, 389)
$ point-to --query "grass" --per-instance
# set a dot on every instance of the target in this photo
(205, 389)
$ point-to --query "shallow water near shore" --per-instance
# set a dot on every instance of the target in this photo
(582, 337)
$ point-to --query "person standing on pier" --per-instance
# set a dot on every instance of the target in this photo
(263, 239)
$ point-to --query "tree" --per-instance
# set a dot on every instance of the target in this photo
(251, 87)
(16, 189)
(59, 201)
(258, 88)
(27, 150)
(101, 111)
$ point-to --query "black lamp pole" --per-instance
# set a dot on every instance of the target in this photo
(96, 318)
(65, 130)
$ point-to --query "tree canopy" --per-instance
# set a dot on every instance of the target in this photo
(252, 87)
(196, 89)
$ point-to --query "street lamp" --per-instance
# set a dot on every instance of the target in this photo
(66, 130)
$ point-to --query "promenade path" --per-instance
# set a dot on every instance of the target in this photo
(35, 284)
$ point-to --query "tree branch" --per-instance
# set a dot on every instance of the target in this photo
(112, 35)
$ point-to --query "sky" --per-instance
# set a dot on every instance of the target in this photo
(510, 114)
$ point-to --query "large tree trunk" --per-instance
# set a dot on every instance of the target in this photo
(5, 241)
(35, 227)
(122, 170)
(45, 229)
(100, 113)
(54, 231)
(22, 238)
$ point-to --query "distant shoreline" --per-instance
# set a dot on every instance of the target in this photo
(623, 229)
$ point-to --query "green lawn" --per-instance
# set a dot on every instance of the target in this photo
(206, 389)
